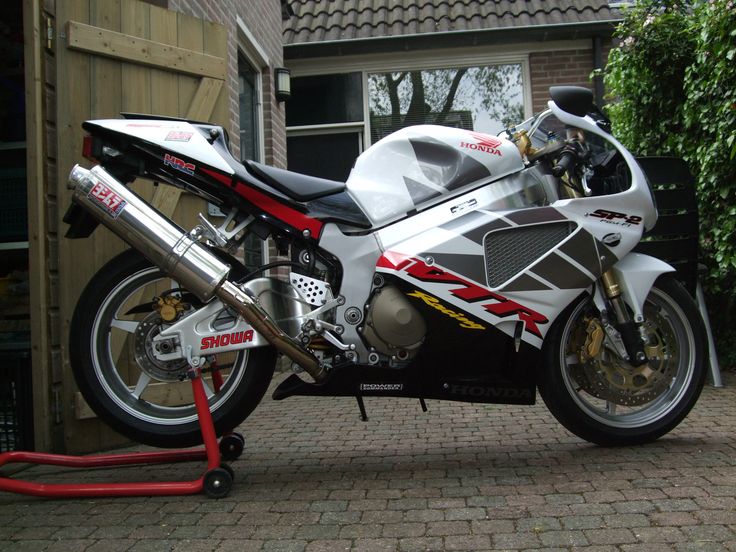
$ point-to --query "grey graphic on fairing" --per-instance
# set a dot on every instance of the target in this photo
(530, 250)
(446, 166)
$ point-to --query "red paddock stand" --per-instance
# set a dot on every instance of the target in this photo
(216, 482)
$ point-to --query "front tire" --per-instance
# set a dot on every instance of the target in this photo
(604, 399)
(122, 381)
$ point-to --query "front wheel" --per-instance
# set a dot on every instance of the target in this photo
(118, 314)
(605, 400)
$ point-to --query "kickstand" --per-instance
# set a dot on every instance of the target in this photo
(361, 406)
(423, 404)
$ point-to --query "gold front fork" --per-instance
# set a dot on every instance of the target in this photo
(613, 293)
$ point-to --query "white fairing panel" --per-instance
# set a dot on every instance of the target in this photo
(421, 165)
(176, 136)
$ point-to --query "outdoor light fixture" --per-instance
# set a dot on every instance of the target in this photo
(283, 84)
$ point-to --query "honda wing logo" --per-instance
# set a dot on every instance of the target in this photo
(485, 143)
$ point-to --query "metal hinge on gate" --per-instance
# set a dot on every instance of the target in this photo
(49, 33)
(56, 406)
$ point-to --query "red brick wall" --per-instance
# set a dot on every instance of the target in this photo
(553, 68)
(263, 19)
(562, 67)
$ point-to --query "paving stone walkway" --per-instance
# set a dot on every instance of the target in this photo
(459, 477)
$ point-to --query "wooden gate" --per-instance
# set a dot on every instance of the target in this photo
(116, 56)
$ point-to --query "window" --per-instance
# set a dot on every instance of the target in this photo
(329, 155)
(331, 118)
(248, 104)
(324, 120)
(325, 99)
(487, 99)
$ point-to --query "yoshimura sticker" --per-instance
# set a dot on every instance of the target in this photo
(108, 200)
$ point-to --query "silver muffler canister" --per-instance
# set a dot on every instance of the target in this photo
(168, 246)
(144, 228)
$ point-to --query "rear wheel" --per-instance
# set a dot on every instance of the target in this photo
(604, 399)
(127, 386)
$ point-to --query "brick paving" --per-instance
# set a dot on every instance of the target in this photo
(459, 477)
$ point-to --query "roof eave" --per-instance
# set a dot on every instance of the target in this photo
(476, 37)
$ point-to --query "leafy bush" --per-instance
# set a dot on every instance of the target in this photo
(645, 76)
(672, 82)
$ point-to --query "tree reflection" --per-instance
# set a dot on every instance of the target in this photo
(487, 99)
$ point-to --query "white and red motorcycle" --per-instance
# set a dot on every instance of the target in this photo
(451, 265)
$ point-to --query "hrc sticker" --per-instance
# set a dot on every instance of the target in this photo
(179, 164)
(107, 199)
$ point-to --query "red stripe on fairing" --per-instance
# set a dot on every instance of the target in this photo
(226, 180)
(393, 260)
(290, 216)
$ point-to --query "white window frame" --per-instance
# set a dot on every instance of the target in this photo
(254, 53)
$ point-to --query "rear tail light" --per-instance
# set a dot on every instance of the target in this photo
(96, 151)
(91, 148)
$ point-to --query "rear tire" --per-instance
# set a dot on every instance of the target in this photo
(608, 402)
(109, 352)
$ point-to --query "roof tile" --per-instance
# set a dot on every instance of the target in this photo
(328, 20)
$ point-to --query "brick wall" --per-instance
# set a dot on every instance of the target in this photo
(263, 20)
(562, 67)
(553, 68)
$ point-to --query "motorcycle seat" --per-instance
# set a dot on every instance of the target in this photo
(299, 187)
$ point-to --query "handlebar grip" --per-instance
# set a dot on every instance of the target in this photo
(567, 160)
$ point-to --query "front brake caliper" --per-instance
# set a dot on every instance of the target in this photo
(594, 336)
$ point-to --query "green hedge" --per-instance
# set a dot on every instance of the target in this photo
(672, 91)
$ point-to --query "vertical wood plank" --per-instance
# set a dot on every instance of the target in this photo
(106, 79)
(37, 263)
(135, 20)
(190, 35)
(106, 102)
(215, 43)
(164, 84)
(76, 259)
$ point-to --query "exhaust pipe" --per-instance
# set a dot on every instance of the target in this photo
(177, 254)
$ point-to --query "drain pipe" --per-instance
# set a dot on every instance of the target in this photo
(598, 89)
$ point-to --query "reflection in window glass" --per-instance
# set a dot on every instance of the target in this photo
(248, 106)
(328, 156)
(325, 99)
(486, 99)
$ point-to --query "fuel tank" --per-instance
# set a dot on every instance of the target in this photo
(422, 165)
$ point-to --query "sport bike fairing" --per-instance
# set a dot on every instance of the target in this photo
(447, 267)
(508, 252)
(420, 165)
(179, 137)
